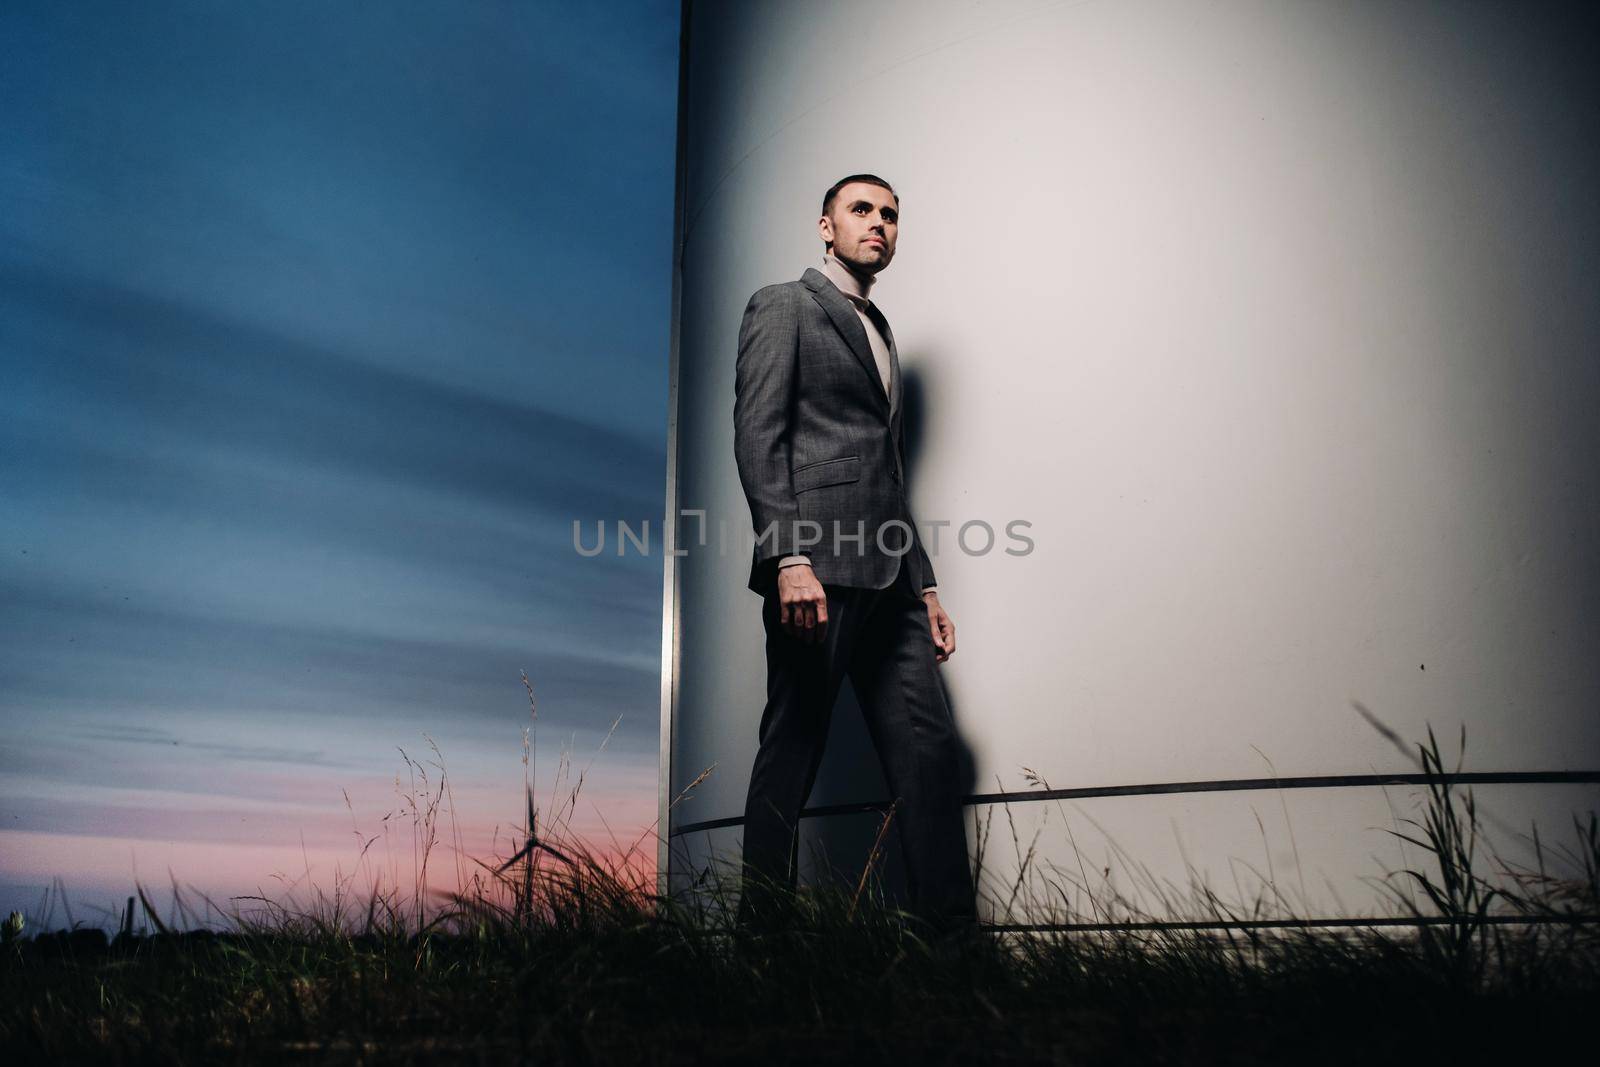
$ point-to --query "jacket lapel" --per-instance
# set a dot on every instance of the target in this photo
(895, 389)
(849, 326)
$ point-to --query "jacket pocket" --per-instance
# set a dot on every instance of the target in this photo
(827, 472)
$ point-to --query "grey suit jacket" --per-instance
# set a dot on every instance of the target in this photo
(817, 448)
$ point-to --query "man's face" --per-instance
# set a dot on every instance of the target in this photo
(862, 224)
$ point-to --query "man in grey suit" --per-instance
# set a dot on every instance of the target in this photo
(839, 561)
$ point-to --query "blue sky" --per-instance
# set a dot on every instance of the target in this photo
(319, 325)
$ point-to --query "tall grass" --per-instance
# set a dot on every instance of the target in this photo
(559, 951)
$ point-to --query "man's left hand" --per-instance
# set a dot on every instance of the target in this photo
(943, 630)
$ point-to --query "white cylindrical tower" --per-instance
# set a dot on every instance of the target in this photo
(1263, 336)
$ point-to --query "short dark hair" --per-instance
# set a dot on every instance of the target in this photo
(870, 179)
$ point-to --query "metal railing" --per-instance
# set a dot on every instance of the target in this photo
(1225, 785)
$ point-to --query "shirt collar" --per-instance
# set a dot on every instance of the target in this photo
(846, 280)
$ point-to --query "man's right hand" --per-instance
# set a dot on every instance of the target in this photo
(802, 603)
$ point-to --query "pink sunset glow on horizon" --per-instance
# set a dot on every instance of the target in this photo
(374, 834)
(298, 863)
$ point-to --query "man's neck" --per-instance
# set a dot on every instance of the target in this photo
(846, 279)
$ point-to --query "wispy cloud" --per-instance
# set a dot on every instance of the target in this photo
(319, 330)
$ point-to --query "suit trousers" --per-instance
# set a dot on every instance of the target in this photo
(882, 640)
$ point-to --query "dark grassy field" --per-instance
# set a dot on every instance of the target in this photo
(650, 992)
(558, 957)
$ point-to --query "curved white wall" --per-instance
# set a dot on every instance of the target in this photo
(1276, 321)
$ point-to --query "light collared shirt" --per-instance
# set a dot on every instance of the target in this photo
(858, 290)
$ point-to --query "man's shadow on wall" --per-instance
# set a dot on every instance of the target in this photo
(839, 846)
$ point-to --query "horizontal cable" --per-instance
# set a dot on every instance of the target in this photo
(1290, 924)
(1323, 781)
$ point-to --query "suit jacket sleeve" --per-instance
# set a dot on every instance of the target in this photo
(764, 391)
(927, 564)
(927, 568)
